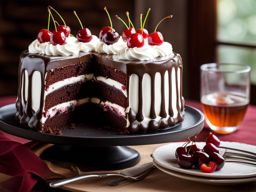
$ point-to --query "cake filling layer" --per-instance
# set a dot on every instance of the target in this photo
(83, 78)
(71, 105)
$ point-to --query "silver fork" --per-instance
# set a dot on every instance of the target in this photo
(128, 175)
(141, 172)
(237, 156)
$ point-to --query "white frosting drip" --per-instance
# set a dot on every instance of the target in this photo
(70, 48)
(147, 52)
(36, 90)
(146, 95)
(112, 49)
(89, 46)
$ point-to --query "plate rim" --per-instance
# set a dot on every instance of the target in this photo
(216, 181)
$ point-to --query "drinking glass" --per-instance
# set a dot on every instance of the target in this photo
(225, 92)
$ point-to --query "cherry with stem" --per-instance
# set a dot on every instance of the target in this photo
(66, 29)
(156, 38)
(57, 37)
(128, 31)
(142, 29)
(107, 34)
(84, 34)
(44, 35)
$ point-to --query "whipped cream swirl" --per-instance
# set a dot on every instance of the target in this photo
(89, 46)
(147, 52)
(70, 48)
(112, 49)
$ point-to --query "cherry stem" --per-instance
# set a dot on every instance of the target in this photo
(165, 18)
(78, 19)
(49, 10)
(128, 16)
(49, 20)
(109, 18)
(146, 17)
(57, 22)
(141, 25)
(58, 15)
(120, 19)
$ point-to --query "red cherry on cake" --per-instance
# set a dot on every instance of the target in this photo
(127, 33)
(108, 34)
(58, 37)
(155, 38)
(65, 29)
(142, 29)
(110, 37)
(135, 40)
(144, 32)
(104, 30)
(84, 34)
(44, 35)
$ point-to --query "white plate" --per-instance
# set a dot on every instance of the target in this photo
(206, 180)
(164, 156)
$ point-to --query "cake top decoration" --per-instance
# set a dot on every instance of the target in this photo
(108, 34)
(84, 34)
(135, 44)
(156, 38)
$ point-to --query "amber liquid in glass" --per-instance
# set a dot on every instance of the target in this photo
(224, 111)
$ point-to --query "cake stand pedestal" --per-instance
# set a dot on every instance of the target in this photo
(100, 148)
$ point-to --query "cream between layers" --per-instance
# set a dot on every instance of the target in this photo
(36, 86)
(67, 106)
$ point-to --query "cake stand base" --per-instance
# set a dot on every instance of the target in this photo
(109, 157)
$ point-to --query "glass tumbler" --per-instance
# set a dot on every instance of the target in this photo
(225, 92)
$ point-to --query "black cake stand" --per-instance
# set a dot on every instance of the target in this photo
(97, 147)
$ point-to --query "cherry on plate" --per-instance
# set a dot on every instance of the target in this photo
(191, 149)
(200, 157)
(179, 151)
(210, 148)
(213, 139)
(216, 157)
(185, 161)
(208, 168)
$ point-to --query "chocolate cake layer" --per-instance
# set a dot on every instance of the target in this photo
(87, 89)
(147, 95)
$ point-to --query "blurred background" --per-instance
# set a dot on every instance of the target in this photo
(201, 31)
